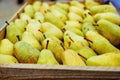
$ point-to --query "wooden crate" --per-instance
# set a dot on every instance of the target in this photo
(54, 72)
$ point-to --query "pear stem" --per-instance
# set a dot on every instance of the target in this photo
(62, 46)
(44, 36)
(18, 15)
(82, 57)
(47, 44)
(18, 37)
(71, 39)
(7, 22)
(63, 30)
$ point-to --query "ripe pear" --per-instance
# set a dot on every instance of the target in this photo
(99, 43)
(29, 10)
(70, 57)
(46, 57)
(102, 9)
(6, 47)
(74, 41)
(112, 33)
(58, 14)
(36, 5)
(30, 38)
(25, 17)
(44, 7)
(86, 53)
(13, 33)
(39, 16)
(51, 30)
(54, 20)
(112, 17)
(77, 4)
(74, 17)
(87, 26)
(54, 45)
(107, 59)
(21, 24)
(34, 28)
(7, 59)
(25, 53)
(63, 6)
(76, 10)
(91, 3)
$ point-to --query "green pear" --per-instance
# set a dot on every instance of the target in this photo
(44, 7)
(112, 33)
(29, 10)
(36, 5)
(58, 14)
(76, 10)
(39, 16)
(74, 41)
(54, 20)
(34, 28)
(6, 47)
(13, 33)
(107, 59)
(102, 9)
(70, 57)
(99, 43)
(46, 57)
(51, 30)
(63, 6)
(74, 17)
(25, 17)
(30, 38)
(87, 26)
(86, 53)
(55, 45)
(7, 59)
(77, 4)
(21, 24)
(25, 53)
(112, 17)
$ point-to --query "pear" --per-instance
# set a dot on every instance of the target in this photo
(91, 3)
(39, 16)
(74, 17)
(77, 4)
(58, 14)
(25, 53)
(74, 24)
(7, 59)
(112, 17)
(21, 24)
(102, 9)
(6, 47)
(70, 57)
(34, 28)
(107, 59)
(44, 7)
(87, 26)
(36, 5)
(51, 30)
(25, 17)
(86, 53)
(73, 41)
(54, 20)
(99, 43)
(63, 6)
(46, 57)
(30, 38)
(29, 10)
(54, 45)
(13, 33)
(112, 33)
(76, 10)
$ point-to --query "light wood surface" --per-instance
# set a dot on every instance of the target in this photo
(56, 72)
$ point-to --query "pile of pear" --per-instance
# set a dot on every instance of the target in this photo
(73, 34)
